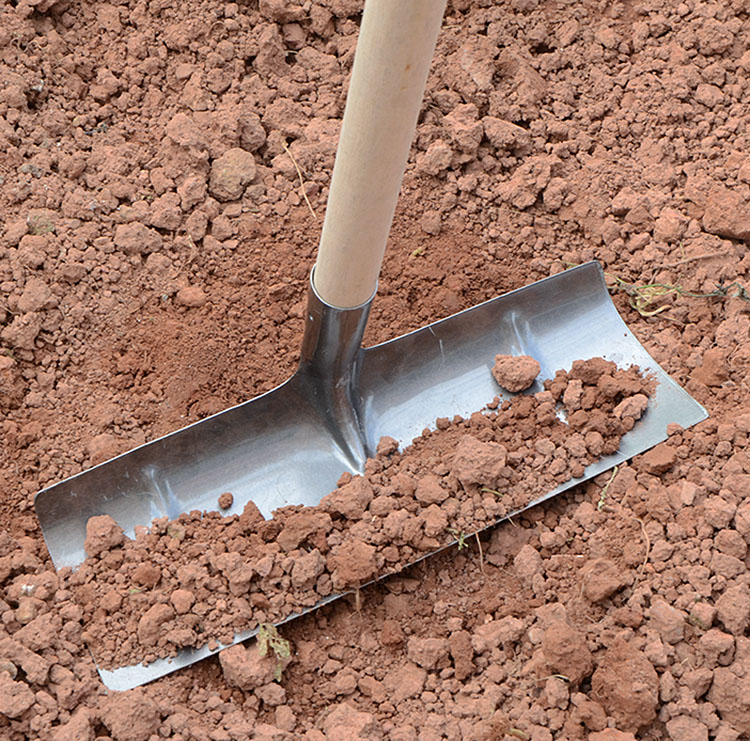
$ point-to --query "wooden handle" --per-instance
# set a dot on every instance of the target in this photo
(396, 43)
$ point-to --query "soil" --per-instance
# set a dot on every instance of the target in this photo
(515, 373)
(202, 579)
(155, 248)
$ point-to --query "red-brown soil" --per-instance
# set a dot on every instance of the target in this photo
(202, 579)
(154, 253)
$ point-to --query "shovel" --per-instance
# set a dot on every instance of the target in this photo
(291, 445)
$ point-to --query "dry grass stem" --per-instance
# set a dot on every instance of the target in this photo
(301, 180)
(481, 553)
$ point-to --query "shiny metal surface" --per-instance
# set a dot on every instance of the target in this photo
(290, 445)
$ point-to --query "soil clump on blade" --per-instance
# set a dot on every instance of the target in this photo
(515, 372)
(231, 574)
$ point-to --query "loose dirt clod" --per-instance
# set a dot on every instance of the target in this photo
(102, 533)
(515, 372)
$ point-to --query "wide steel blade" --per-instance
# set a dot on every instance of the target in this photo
(278, 449)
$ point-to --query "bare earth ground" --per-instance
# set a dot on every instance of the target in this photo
(154, 253)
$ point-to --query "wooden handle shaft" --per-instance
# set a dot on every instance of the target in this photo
(396, 43)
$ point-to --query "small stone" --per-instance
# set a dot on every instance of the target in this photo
(147, 575)
(506, 136)
(39, 634)
(130, 716)
(387, 446)
(479, 463)
(182, 637)
(606, 37)
(709, 95)
(713, 371)
(353, 564)
(698, 680)
(726, 214)
(102, 533)
(111, 601)
(105, 86)
(659, 459)
(716, 647)
(602, 578)
(307, 568)
(703, 615)
(221, 226)
(685, 728)
(434, 520)
(732, 543)
(102, 447)
(297, 528)
(344, 722)
(160, 180)
(36, 295)
(192, 191)
(555, 193)
(191, 296)
(15, 697)
(284, 718)
(80, 727)
(226, 500)
(611, 734)
(9, 668)
(196, 225)
(504, 632)
(252, 133)
(733, 609)
(184, 131)
(528, 562)
(245, 668)
(567, 653)
(23, 331)
(405, 682)
(429, 490)
(557, 693)
(462, 653)
(182, 600)
(350, 500)
(627, 686)
(436, 159)
(633, 406)
(345, 682)
(32, 250)
(151, 621)
(668, 621)
(137, 239)
(429, 653)
(718, 512)
(730, 694)
(371, 687)
(231, 173)
(431, 222)
(15, 232)
(515, 372)
(465, 130)
(165, 212)
(392, 635)
(33, 664)
(670, 226)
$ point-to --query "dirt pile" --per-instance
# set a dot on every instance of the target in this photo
(203, 577)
